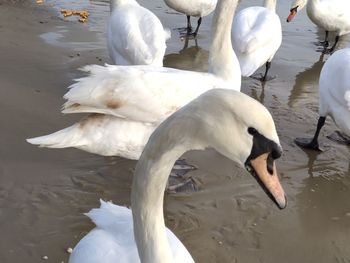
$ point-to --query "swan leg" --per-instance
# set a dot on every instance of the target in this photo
(267, 67)
(312, 143)
(325, 43)
(265, 77)
(189, 26)
(198, 25)
(329, 51)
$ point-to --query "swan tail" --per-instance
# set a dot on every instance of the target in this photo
(68, 137)
(84, 93)
(109, 215)
(347, 98)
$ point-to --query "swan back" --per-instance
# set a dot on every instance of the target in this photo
(152, 95)
(135, 36)
(257, 35)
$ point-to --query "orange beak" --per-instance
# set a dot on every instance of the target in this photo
(292, 14)
(270, 181)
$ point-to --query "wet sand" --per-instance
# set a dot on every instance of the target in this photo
(44, 192)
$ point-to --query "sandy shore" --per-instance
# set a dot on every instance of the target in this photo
(44, 192)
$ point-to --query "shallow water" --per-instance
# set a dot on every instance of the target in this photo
(44, 192)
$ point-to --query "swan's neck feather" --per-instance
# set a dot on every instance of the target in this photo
(270, 5)
(152, 173)
(222, 59)
(117, 3)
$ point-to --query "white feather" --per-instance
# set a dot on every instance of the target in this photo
(113, 238)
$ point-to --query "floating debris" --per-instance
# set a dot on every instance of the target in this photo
(39, 1)
(45, 257)
(70, 250)
(70, 12)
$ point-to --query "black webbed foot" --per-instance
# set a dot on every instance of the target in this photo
(308, 143)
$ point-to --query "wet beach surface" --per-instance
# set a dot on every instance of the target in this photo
(44, 192)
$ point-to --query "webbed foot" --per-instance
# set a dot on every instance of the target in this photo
(308, 143)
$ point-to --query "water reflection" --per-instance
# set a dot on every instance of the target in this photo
(306, 83)
(256, 89)
(189, 57)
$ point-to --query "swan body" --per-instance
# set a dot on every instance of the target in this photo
(256, 36)
(197, 8)
(331, 15)
(216, 119)
(145, 94)
(135, 36)
(334, 89)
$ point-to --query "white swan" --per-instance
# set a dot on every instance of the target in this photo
(216, 119)
(334, 101)
(198, 8)
(331, 15)
(256, 37)
(135, 36)
(142, 94)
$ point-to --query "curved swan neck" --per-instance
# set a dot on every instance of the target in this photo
(270, 5)
(150, 180)
(222, 59)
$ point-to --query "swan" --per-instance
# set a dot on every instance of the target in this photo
(334, 92)
(135, 36)
(256, 37)
(331, 15)
(197, 8)
(216, 119)
(142, 96)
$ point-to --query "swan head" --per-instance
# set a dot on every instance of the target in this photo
(240, 128)
(297, 5)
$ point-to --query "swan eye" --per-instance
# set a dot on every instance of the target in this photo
(294, 9)
(252, 131)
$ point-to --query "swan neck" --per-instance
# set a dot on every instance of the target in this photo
(270, 5)
(150, 180)
(222, 59)
(312, 4)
